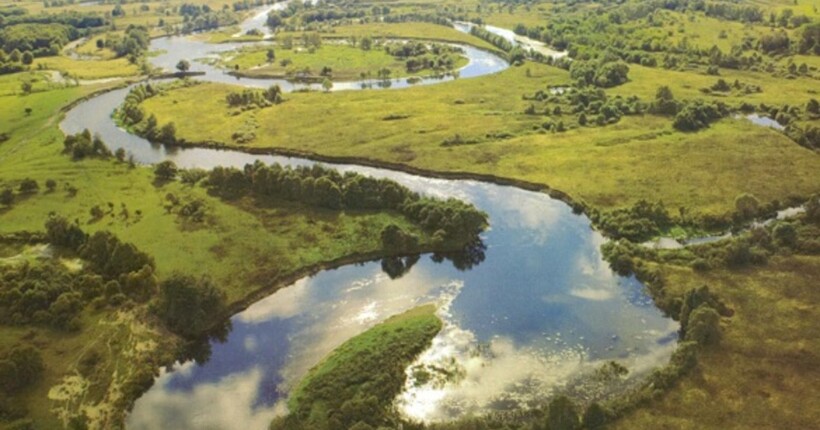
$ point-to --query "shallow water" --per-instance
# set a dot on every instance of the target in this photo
(535, 310)
(764, 121)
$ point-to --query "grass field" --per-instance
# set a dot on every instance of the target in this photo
(613, 166)
(347, 62)
(762, 373)
(89, 69)
(403, 30)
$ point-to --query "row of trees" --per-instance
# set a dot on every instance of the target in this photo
(605, 73)
(589, 104)
(688, 115)
(450, 220)
(83, 145)
(255, 98)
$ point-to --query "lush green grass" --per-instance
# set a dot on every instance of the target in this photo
(365, 372)
(347, 62)
(89, 47)
(763, 373)
(89, 69)
(644, 81)
(40, 81)
(639, 158)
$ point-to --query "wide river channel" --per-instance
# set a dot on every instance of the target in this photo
(532, 315)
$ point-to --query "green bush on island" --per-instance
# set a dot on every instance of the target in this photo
(355, 385)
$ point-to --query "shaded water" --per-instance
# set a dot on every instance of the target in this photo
(535, 310)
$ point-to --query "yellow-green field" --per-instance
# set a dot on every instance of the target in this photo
(639, 158)
(762, 374)
(89, 69)
(347, 62)
(402, 30)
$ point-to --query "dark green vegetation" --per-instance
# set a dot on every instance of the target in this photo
(355, 385)
(451, 222)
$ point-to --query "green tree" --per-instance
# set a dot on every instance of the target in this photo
(785, 234)
(594, 417)
(168, 133)
(562, 414)
(166, 170)
(271, 55)
(664, 103)
(812, 106)
(366, 43)
(28, 186)
(704, 325)
(7, 196)
(183, 66)
(27, 58)
(60, 232)
(189, 306)
(746, 206)
(327, 84)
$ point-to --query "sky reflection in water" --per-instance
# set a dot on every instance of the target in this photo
(543, 306)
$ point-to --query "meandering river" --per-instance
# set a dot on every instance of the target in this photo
(535, 312)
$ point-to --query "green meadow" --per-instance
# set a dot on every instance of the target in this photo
(346, 62)
(605, 167)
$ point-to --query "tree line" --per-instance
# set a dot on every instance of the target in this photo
(450, 220)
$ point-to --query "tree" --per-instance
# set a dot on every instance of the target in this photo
(812, 106)
(28, 186)
(51, 185)
(20, 368)
(327, 84)
(183, 66)
(7, 196)
(664, 103)
(271, 55)
(611, 74)
(704, 325)
(562, 414)
(27, 58)
(188, 306)
(746, 206)
(60, 232)
(594, 417)
(366, 43)
(785, 234)
(26, 87)
(100, 44)
(168, 133)
(166, 171)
